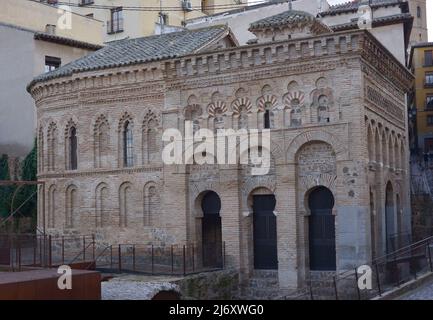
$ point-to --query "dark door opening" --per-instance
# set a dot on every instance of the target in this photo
(390, 232)
(322, 230)
(265, 232)
(211, 231)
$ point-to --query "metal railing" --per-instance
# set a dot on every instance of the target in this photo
(388, 272)
(165, 260)
(18, 252)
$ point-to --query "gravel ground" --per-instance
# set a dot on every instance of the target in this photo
(424, 292)
(130, 288)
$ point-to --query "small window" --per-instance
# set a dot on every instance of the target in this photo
(267, 123)
(418, 12)
(73, 149)
(52, 63)
(429, 102)
(429, 78)
(268, 116)
(428, 58)
(430, 121)
(115, 25)
(163, 18)
(128, 158)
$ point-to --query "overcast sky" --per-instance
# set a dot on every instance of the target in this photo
(429, 14)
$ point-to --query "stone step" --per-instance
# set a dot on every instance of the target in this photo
(273, 274)
(260, 294)
(263, 282)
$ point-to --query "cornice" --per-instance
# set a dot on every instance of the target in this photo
(96, 172)
(217, 64)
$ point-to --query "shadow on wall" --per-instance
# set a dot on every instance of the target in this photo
(167, 295)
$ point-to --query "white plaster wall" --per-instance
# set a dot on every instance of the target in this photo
(240, 22)
(17, 111)
(392, 37)
(23, 58)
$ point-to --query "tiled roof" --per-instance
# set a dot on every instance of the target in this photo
(139, 50)
(43, 36)
(354, 5)
(66, 41)
(422, 45)
(290, 16)
(402, 17)
(238, 10)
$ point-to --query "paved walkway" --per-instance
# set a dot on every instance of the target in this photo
(424, 292)
(130, 287)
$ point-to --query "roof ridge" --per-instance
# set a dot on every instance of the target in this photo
(140, 50)
(186, 30)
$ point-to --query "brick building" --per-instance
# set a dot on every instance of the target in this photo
(335, 104)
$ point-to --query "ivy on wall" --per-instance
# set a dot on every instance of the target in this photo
(28, 172)
(5, 191)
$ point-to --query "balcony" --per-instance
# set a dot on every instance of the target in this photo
(115, 26)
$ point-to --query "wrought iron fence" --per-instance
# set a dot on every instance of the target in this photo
(387, 272)
(19, 251)
(164, 260)
(22, 251)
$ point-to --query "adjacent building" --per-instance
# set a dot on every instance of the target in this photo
(239, 19)
(336, 195)
(392, 20)
(136, 18)
(421, 98)
(418, 9)
(32, 43)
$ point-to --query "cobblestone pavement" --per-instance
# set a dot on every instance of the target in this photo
(424, 292)
(135, 288)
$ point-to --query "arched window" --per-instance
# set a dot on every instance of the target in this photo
(101, 205)
(73, 148)
(377, 142)
(52, 146)
(193, 114)
(51, 206)
(370, 141)
(243, 118)
(418, 12)
(218, 121)
(295, 113)
(151, 206)
(323, 110)
(124, 203)
(267, 117)
(102, 143)
(41, 150)
(150, 139)
(391, 162)
(128, 157)
(71, 206)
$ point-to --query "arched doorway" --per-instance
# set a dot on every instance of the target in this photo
(211, 230)
(265, 232)
(390, 221)
(322, 230)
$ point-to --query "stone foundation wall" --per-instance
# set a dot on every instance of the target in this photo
(218, 285)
